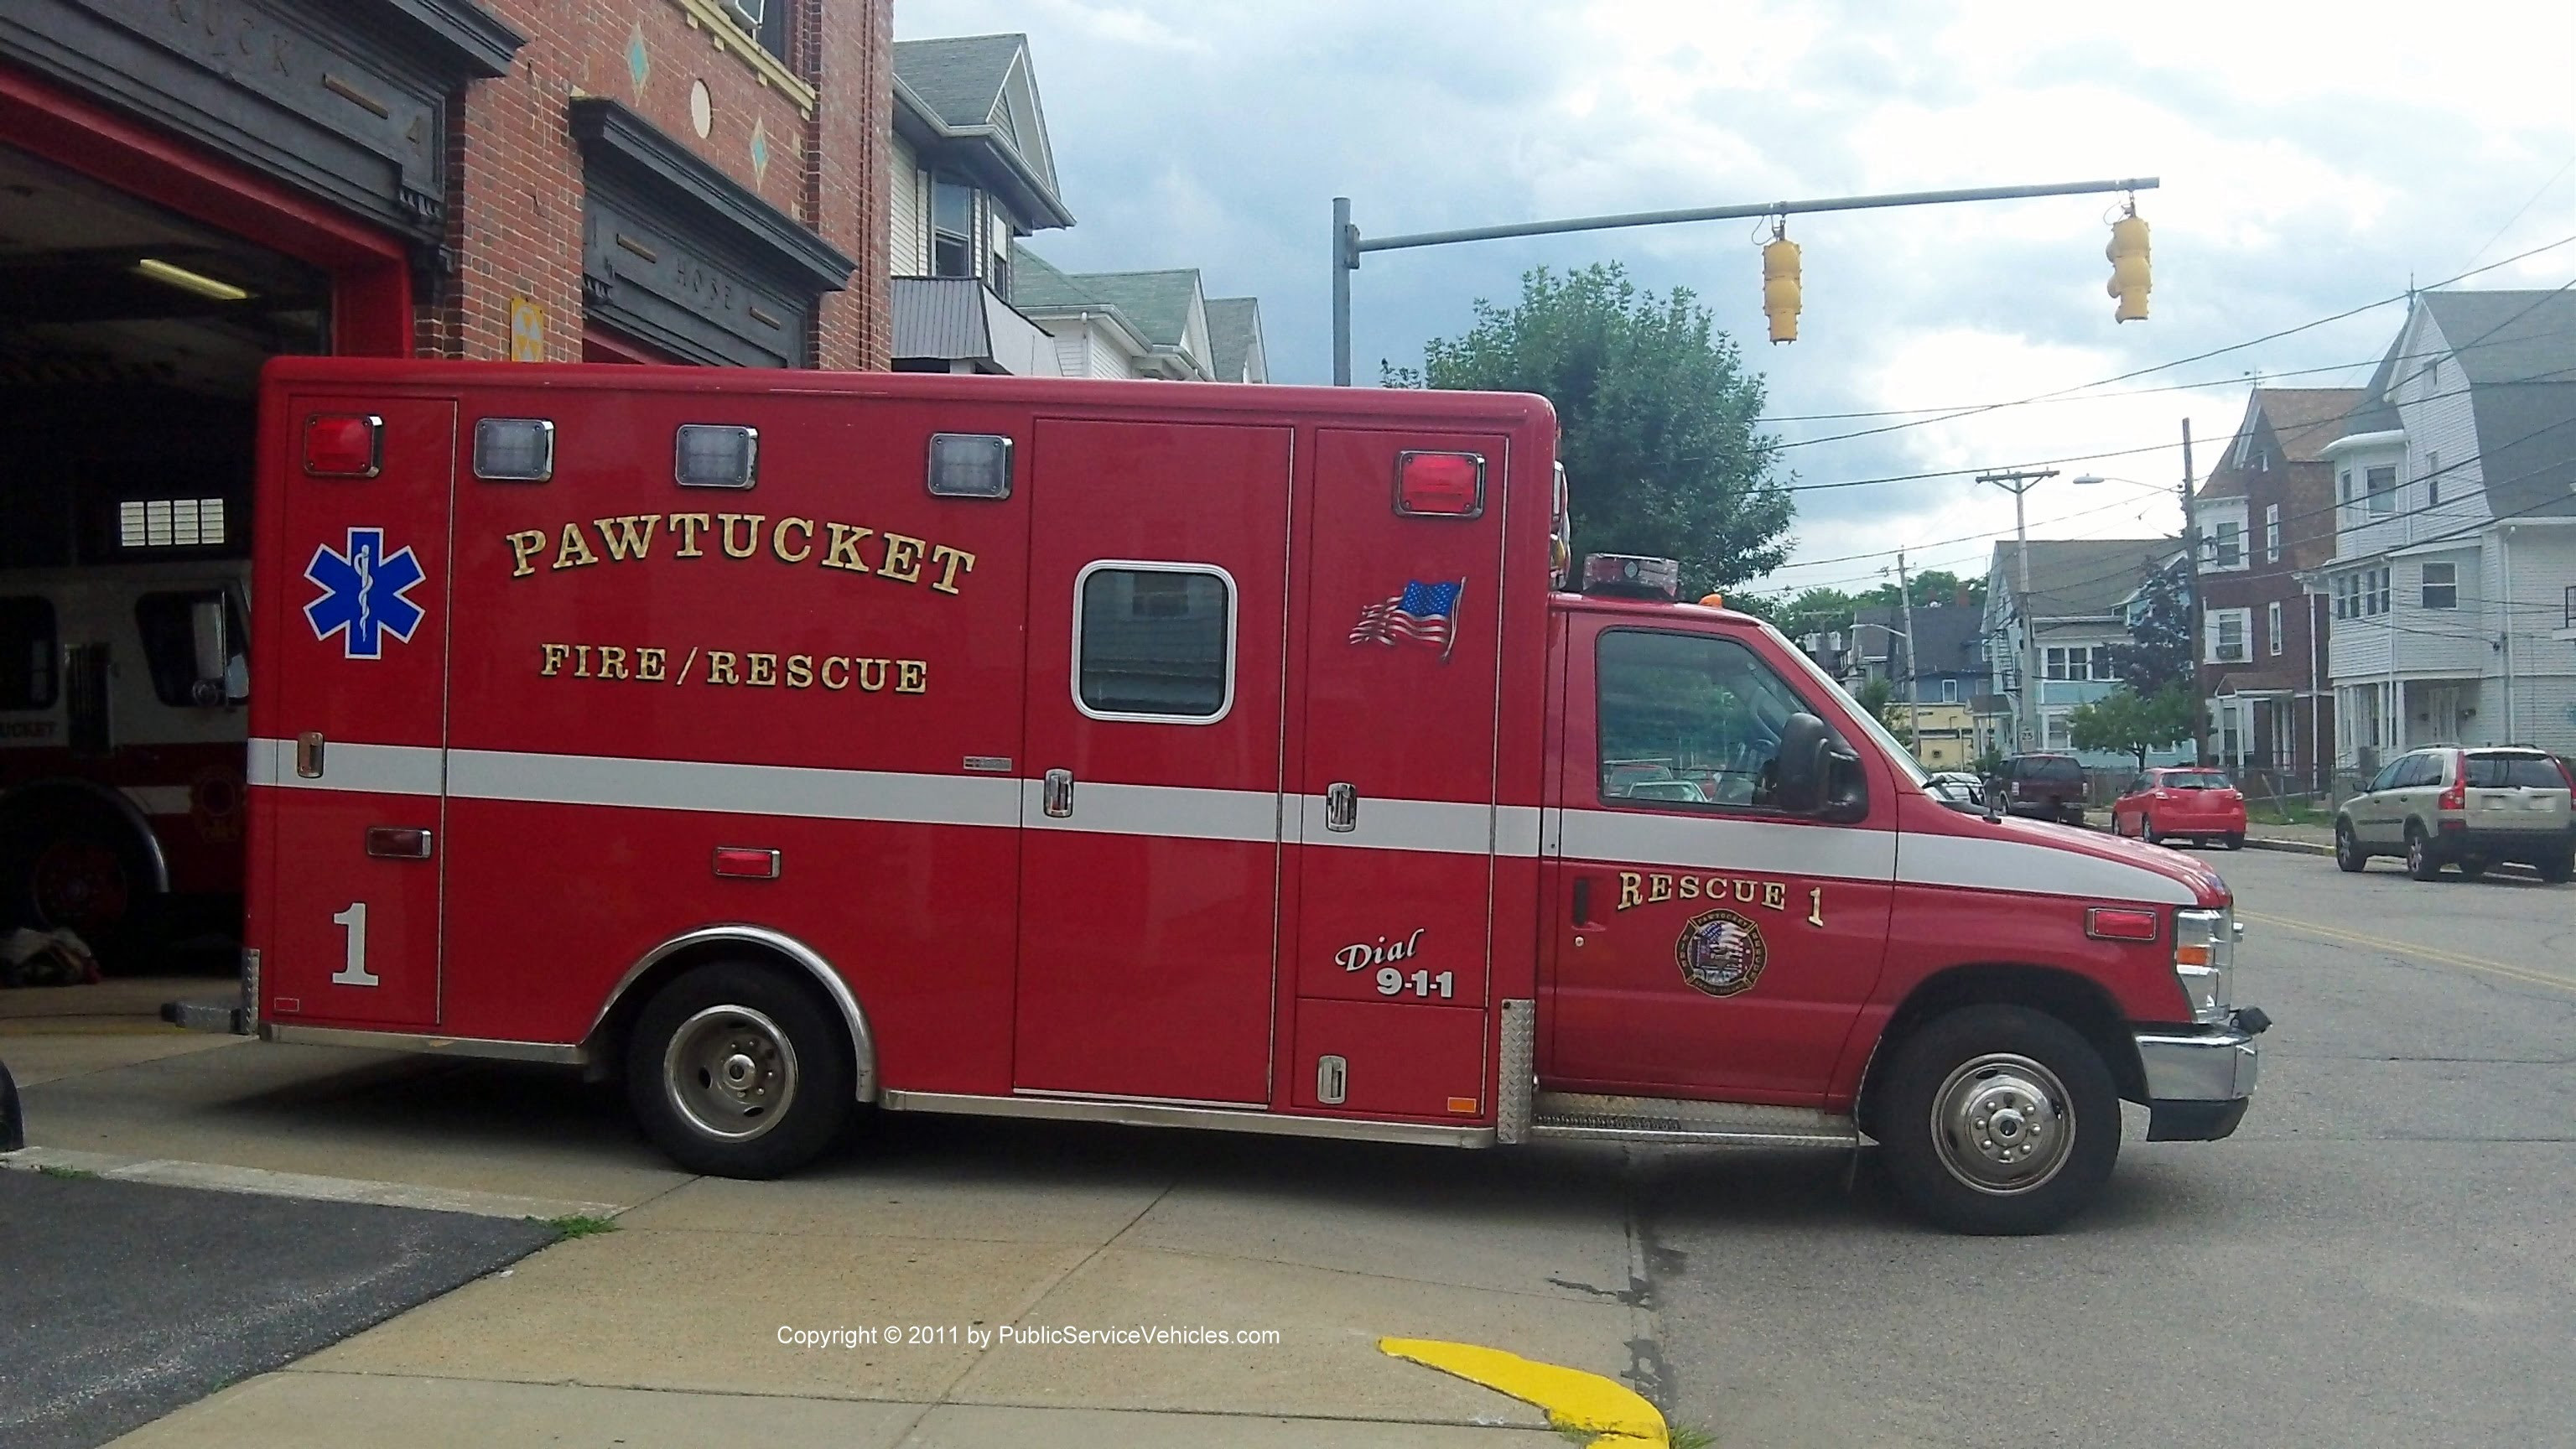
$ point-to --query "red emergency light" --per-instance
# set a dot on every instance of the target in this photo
(1440, 485)
(344, 445)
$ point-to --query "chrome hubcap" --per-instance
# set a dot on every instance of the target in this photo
(731, 1072)
(2003, 1124)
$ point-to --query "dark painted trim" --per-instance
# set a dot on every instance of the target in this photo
(701, 198)
(477, 42)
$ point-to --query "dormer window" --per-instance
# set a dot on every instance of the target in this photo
(952, 229)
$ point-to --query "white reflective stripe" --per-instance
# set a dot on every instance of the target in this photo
(1967, 863)
(1442, 827)
(727, 789)
(1717, 843)
(370, 769)
(1168, 810)
(158, 799)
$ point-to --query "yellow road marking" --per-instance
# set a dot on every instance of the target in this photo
(2447, 958)
(1574, 1400)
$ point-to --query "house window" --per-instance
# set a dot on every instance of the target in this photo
(2347, 595)
(2343, 486)
(2074, 664)
(2569, 620)
(2441, 586)
(2272, 533)
(2231, 544)
(2227, 636)
(2381, 484)
(952, 229)
(2375, 586)
(2432, 480)
(1950, 687)
(2272, 625)
(27, 652)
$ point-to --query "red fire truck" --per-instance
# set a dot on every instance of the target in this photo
(1221, 757)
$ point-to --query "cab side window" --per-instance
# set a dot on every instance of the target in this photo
(1687, 720)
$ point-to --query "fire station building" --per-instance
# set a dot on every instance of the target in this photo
(191, 187)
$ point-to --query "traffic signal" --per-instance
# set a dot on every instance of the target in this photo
(2128, 254)
(1780, 287)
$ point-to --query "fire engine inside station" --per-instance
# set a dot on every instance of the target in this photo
(130, 345)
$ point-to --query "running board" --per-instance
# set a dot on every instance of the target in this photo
(1593, 1117)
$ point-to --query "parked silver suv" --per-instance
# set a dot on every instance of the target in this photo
(2465, 807)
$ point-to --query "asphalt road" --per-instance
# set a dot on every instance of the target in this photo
(2382, 1254)
(121, 1301)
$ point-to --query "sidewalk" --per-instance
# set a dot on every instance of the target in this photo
(666, 1331)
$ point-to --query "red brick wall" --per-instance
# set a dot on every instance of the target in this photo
(515, 189)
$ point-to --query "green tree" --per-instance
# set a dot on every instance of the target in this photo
(1656, 412)
(2158, 655)
(1875, 695)
(1932, 588)
(2132, 722)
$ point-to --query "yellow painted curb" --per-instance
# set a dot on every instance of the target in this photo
(1572, 1399)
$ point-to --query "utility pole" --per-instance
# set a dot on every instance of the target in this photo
(1913, 663)
(1348, 245)
(2026, 710)
(2191, 603)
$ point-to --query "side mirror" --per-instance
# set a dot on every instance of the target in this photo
(213, 653)
(1805, 749)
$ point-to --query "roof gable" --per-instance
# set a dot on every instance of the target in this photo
(2079, 577)
(980, 91)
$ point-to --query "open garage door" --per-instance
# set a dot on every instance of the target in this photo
(131, 339)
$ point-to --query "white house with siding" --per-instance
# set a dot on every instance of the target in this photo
(2452, 589)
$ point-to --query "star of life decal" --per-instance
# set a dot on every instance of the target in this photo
(364, 594)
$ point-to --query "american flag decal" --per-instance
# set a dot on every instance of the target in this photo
(1423, 614)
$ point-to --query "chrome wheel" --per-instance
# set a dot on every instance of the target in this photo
(2003, 1124)
(731, 1072)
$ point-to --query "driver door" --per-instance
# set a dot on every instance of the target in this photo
(1713, 948)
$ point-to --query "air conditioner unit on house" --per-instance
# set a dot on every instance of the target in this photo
(746, 12)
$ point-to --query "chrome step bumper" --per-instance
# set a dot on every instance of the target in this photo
(1599, 1118)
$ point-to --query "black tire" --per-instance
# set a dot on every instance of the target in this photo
(2147, 830)
(2235, 839)
(2421, 862)
(2557, 869)
(113, 906)
(2473, 866)
(2350, 858)
(749, 1013)
(1985, 1054)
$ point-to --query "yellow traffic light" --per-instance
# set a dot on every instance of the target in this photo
(2128, 255)
(1780, 287)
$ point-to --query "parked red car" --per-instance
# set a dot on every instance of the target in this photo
(2160, 805)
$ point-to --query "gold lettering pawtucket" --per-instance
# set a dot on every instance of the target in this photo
(821, 543)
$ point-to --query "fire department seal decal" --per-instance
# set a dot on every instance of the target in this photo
(1721, 953)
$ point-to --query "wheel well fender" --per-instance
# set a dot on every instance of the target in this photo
(604, 1043)
(2080, 1003)
(21, 802)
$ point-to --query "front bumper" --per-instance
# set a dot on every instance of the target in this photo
(2199, 1083)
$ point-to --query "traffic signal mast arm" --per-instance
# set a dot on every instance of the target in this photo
(1348, 244)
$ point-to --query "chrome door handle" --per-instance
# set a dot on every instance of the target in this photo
(1342, 806)
(308, 755)
(1055, 795)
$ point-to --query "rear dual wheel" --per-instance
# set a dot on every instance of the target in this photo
(1997, 1120)
(738, 1070)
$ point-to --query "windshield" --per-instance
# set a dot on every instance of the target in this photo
(1898, 756)
(2194, 780)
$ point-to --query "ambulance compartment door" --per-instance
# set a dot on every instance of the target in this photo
(1395, 805)
(355, 733)
(1150, 813)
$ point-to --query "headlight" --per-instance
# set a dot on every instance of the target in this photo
(2204, 957)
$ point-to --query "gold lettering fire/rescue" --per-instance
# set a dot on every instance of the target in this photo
(746, 668)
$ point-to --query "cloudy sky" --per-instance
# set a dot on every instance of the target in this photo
(2315, 159)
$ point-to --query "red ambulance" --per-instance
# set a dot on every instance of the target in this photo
(794, 744)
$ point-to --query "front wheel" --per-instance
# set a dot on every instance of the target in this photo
(2235, 839)
(736, 1070)
(1998, 1120)
(2348, 853)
